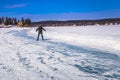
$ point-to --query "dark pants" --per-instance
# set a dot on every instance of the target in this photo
(41, 36)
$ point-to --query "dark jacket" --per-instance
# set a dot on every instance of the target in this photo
(39, 29)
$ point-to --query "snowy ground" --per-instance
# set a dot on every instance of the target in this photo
(69, 53)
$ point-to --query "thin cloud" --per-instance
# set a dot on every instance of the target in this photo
(15, 6)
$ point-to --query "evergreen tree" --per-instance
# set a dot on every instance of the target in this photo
(23, 21)
(18, 20)
(15, 21)
(0, 20)
(3, 20)
(10, 21)
(7, 21)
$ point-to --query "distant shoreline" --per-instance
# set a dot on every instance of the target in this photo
(107, 21)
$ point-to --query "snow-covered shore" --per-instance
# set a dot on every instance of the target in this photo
(67, 53)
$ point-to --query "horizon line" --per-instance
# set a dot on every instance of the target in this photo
(78, 19)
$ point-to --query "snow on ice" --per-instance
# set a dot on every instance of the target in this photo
(67, 53)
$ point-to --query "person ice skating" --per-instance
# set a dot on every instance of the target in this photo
(40, 31)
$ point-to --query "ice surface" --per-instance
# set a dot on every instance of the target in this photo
(67, 53)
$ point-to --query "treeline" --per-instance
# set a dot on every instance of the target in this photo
(14, 21)
(110, 21)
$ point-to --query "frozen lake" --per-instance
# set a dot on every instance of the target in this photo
(67, 53)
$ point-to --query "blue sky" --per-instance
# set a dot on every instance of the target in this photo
(38, 10)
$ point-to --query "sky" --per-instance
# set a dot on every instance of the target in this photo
(41, 10)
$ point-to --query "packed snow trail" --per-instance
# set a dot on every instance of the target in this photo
(55, 58)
